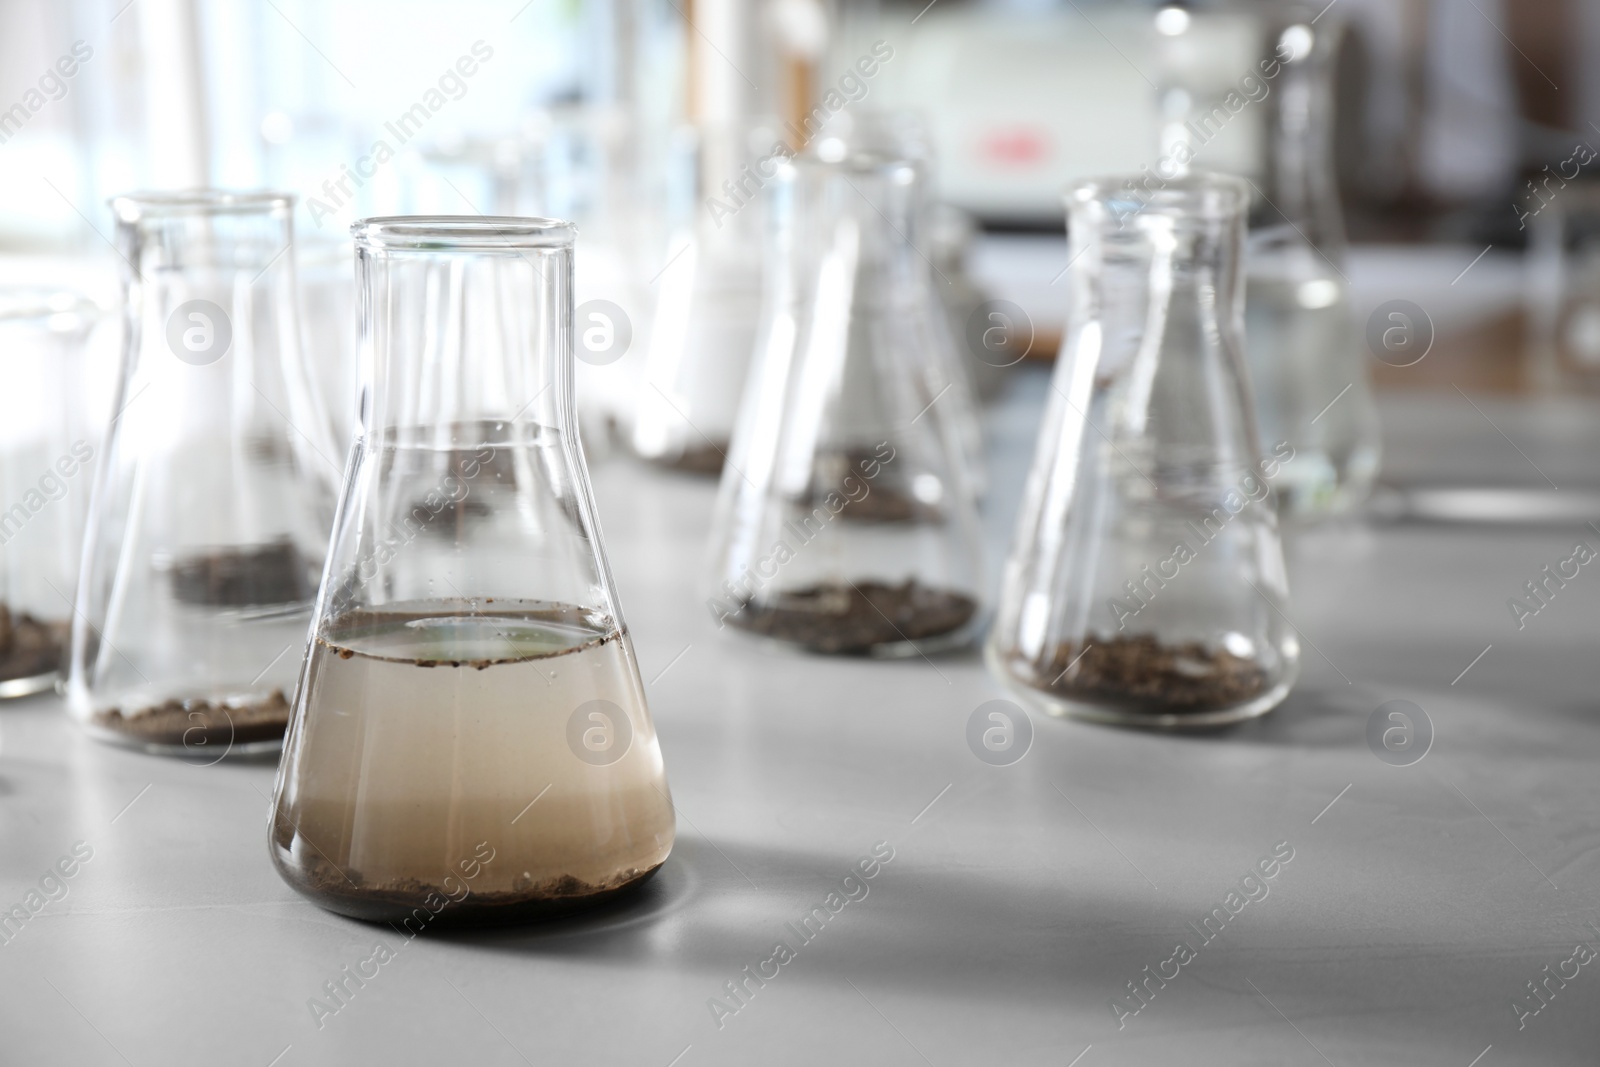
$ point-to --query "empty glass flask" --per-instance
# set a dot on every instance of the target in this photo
(846, 521)
(214, 493)
(1308, 364)
(470, 732)
(48, 442)
(1146, 581)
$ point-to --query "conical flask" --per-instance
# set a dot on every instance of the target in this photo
(1146, 582)
(846, 521)
(470, 732)
(1307, 361)
(48, 441)
(214, 494)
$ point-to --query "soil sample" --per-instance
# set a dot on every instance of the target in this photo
(201, 724)
(430, 729)
(855, 618)
(246, 576)
(29, 647)
(704, 459)
(884, 501)
(1142, 676)
(351, 893)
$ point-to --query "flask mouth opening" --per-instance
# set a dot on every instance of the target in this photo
(1201, 196)
(463, 233)
(144, 204)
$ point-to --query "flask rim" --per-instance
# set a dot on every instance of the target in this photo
(1200, 195)
(462, 233)
(146, 203)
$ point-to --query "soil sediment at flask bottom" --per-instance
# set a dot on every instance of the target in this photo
(856, 617)
(29, 647)
(706, 459)
(195, 722)
(243, 576)
(886, 499)
(1143, 676)
(348, 893)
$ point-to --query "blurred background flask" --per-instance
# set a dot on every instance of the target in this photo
(48, 441)
(846, 521)
(1271, 117)
(1146, 582)
(707, 291)
(471, 712)
(1308, 366)
(214, 494)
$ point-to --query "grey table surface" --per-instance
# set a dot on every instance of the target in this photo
(1020, 900)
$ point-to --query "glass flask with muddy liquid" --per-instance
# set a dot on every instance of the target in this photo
(470, 735)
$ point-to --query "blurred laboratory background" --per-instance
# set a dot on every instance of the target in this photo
(1454, 121)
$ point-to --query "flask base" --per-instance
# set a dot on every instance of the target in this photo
(346, 894)
(30, 653)
(28, 685)
(1139, 682)
(865, 618)
(197, 727)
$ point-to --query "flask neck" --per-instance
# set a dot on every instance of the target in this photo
(466, 330)
(212, 328)
(208, 274)
(1157, 307)
(1301, 185)
(857, 222)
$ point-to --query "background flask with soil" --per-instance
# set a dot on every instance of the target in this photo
(707, 286)
(50, 432)
(1146, 583)
(214, 495)
(846, 520)
(469, 680)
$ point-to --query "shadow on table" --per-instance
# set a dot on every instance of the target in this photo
(923, 929)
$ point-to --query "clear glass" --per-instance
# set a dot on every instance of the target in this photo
(1563, 282)
(1146, 582)
(904, 134)
(1308, 364)
(328, 303)
(213, 498)
(846, 520)
(575, 162)
(48, 442)
(707, 288)
(708, 303)
(470, 714)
